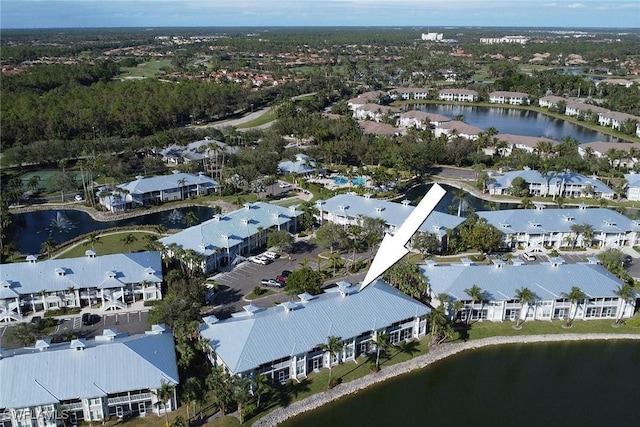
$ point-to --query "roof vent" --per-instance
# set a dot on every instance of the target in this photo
(344, 287)
(247, 205)
(505, 225)
(431, 263)
(149, 271)
(251, 309)
(539, 206)
(517, 261)
(289, 305)
(306, 297)
(582, 206)
(466, 262)
(216, 217)
(156, 329)
(31, 259)
(210, 320)
(534, 224)
(379, 209)
(60, 271)
(609, 223)
(498, 263)
(568, 218)
(406, 202)
(90, 253)
(593, 260)
(111, 274)
(77, 344)
(367, 195)
(556, 261)
(43, 344)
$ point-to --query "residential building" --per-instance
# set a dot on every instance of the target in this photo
(303, 165)
(283, 342)
(512, 98)
(506, 143)
(552, 228)
(349, 209)
(421, 120)
(619, 154)
(158, 189)
(221, 239)
(505, 39)
(565, 184)
(462, 95)
(547, 281)
(195, 152)
(407, 93)
(632, 190)
(455, 128)
(551, 101)
(87, 381)
(616, 120)
(113, 281)
(582, 111)
(377, 128)
(375, 112)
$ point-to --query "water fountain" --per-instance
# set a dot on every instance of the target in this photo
(175, 216)
(60, 224)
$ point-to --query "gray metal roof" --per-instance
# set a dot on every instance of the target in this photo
(231, 229)
(534, 177)
(31, 377)
(394, 214)
(303, 164)
(538, 221)
(250, 340)
(83, 272)
(167, 182)
(545, 280)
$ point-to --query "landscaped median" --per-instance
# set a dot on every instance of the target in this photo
(555, 334)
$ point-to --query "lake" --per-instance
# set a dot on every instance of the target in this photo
(31, 229)
(554, 384)
(516, 122)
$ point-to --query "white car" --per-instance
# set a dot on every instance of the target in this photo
(260, 260)
(270, 254)
(285, 185)
(78, 198)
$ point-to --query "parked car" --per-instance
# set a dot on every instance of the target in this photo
(285, 273)
(37, 322)
(271, 282)
(90, 319)
(529, 257)
(260, 260)
(270, 254)
(284, 185)
(281, 279)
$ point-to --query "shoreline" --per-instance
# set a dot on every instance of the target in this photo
(435, 354)
(106, 216)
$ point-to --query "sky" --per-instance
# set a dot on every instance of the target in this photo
(253, 13)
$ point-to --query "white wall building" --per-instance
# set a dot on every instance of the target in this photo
(113, 375)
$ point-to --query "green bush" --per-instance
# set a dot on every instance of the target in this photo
(258, 291)
(151, 303)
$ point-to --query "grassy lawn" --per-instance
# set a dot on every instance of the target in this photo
(265, 292)
(267, 117)
(146, 69)
(111, 244)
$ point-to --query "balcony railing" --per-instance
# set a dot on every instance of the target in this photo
(131, 398)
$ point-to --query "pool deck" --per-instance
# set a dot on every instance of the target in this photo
(330, 183)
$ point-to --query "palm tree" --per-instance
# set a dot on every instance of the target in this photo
(526, 297)
(190, 219)
(332, 347)
(383, 343)
(128, 240)
(574, 296)
(191, 390)
(476, 294)
(163, 394)
(241, 394)
(48, 246)
(460, 196)
(219, 382)
(627, 294)
(261, 386)
(33, 182)
(181, 183)
(92, 239)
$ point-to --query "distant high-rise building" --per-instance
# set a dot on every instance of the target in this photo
(432, 36)
(505, 39)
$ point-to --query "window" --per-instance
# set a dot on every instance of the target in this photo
(364, 347)
(559, 313)
(406, 334)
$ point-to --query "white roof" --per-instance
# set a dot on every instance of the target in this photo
(248, 341)
(81, 272)
(545, 280)
(31, 377)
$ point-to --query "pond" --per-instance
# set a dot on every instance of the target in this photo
(555, 384)
(31, 229)
(516, 122)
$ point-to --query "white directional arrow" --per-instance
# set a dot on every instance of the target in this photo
(393, 248)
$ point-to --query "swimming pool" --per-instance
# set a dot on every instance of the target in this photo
(343, 180)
